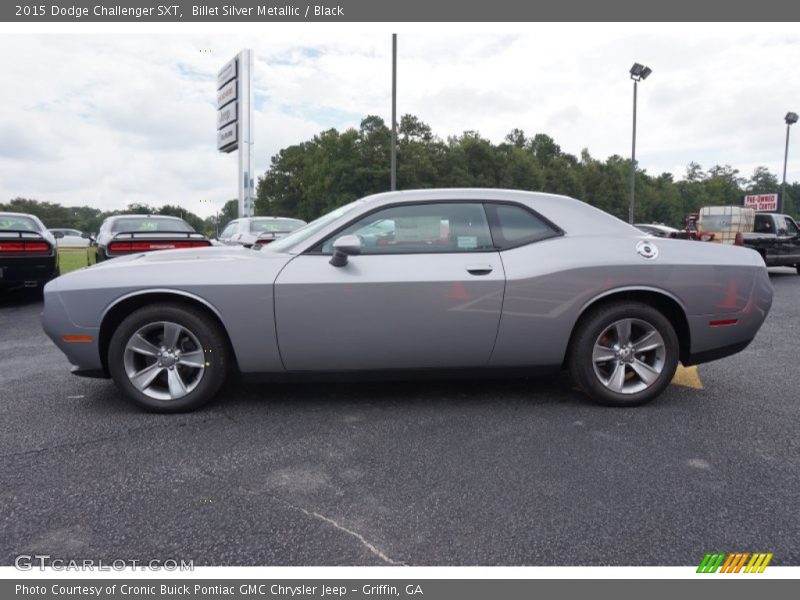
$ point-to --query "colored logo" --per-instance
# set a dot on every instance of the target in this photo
(735, 562)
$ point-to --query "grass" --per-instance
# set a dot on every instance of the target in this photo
(70, 259)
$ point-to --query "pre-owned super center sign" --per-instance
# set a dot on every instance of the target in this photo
(764, 202)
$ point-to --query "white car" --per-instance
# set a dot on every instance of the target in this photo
(70, 238)
(257, 231)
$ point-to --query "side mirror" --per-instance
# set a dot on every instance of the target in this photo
(58, 234)
(347, 245)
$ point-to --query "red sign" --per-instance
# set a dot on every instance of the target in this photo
(762, 201)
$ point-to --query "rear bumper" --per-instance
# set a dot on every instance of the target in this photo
(715, 354)
(715, 336)
(17, 270)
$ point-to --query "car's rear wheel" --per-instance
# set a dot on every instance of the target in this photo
(624, 354)
(168, 357)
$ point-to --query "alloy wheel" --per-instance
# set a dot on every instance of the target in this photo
(164, 360)
(629, 356)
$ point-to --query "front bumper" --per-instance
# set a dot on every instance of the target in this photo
(84, 355)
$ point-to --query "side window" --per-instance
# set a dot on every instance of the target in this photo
(791, 228)
(229, 230)
(515, 226)
(763, 224)
(421, 228)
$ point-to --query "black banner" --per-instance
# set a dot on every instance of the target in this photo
(424, 589)
(403, 11)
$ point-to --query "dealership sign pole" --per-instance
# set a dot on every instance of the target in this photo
(235, 121)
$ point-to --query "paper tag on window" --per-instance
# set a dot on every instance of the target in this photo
(417, 229)
(467, 241)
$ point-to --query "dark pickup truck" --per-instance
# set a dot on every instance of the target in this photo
(777, 238)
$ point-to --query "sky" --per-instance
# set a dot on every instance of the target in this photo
(110, 119)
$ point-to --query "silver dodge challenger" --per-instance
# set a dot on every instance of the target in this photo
(456, 279)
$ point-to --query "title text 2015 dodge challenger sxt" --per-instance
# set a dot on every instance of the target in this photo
(429, 279)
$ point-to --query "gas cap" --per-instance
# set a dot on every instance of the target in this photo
(647, 249)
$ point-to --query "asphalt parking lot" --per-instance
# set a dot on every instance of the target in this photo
(515, 472)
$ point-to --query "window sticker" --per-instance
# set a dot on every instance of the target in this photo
(416, 229)
(467, 241)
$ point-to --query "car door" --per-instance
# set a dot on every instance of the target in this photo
(425, 292)
(792, 242)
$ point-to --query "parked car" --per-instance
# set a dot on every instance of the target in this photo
(658, 230)
(28, 256)
(776, 237)
(254, 231)
(462, 279)
(132, 234)
(70, 238)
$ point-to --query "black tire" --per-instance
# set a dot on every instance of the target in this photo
(587, 374)
(204, 331)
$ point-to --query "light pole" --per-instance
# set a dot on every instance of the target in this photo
(394, 113)
(791, 119)
(638, 73)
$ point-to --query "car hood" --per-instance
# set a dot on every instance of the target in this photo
(183, 268)
(210, 253)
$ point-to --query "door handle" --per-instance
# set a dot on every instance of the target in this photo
(479, 269)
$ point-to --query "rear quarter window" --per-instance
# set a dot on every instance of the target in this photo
(514, 226)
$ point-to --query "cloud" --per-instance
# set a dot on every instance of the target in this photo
(109, 120)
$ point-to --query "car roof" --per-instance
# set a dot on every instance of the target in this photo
(572, 215)
(145, 217)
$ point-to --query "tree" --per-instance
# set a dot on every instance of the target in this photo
(228, 213)
(762, 182)
(176, 211)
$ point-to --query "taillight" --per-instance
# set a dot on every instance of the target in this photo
(739, 239)
(264, 242)
(123, 247)
(24, 247)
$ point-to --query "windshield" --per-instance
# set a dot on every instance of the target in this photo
(274, 225)
(149, 224)
(8, 222)
(285, 244)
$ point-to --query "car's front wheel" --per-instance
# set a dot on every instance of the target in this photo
(624, 354)
(168, 357)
